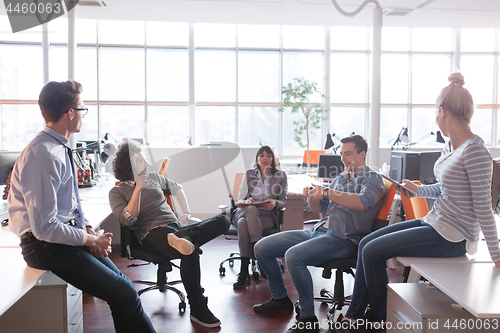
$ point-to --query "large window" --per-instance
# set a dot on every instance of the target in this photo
(21, 71)
(167, 75)
(215, 76)
(150, 80)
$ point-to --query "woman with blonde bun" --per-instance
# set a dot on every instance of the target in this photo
(462, 209)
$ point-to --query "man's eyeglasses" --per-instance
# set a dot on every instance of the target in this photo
(85, 110)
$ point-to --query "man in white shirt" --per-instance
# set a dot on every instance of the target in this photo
(45, 212)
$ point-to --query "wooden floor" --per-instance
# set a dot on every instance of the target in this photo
(232, 307)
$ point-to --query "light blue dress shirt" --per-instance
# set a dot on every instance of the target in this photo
(370, 187)
(43, 195)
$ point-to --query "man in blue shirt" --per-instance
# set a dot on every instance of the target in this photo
(351, 203)
(45, 212)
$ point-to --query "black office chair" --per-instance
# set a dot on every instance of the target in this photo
(232, 231)
(346, 265)
(132, 249)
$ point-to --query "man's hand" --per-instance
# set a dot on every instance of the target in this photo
(100, 243)
(497, 263)
(317, 192)
(306, 191)
(141, 181)
(183, 218)
(90, 230)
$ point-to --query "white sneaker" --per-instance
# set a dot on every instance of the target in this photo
(183, 245)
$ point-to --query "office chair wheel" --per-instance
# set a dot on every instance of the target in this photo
(222, 270)
(182, 306)
(231, 263)
(330, 315)
(255, 275)
(296, 306)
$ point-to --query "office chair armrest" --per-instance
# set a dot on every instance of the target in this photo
(358, 234)
(223, 209)
(126, 237)
(281, 213)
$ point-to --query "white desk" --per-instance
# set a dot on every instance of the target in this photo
(25, 290)
(8, 239)
(475, 286)
(414, 307)
(482, 255)
(16, 278)
(294, 213)
(3, 209)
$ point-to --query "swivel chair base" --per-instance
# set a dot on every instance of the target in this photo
(162, 284)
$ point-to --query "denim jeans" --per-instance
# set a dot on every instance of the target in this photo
(413, 238)
(201, 233)
(98, 277)
(301, 248)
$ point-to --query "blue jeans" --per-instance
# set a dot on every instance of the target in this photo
(98, 277)
(413, 238)
(301, 248)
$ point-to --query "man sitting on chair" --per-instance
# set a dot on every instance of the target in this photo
(139, 203)
(351, 203)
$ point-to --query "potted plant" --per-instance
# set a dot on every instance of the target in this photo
(296, 96)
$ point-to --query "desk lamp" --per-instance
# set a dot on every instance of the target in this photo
(402, 137)
(329, 142)
(439, 138)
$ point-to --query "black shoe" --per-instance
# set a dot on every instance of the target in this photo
(274, 306)
(242, 281)
(305, 325)
(201, 314)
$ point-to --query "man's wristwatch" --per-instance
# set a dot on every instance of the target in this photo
(325, 193)
(275, 203)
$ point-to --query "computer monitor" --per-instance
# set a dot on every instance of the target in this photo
(414, 165)
(329, 166)
(7, 160)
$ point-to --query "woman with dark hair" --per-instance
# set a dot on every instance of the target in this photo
(263, 183)
(139, 203)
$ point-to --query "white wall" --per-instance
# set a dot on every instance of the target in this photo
(206, 192)
(440, 13)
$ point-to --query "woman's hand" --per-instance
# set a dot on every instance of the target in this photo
(270, 206)
(497, 263)
(408, 184)
(245, 203)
